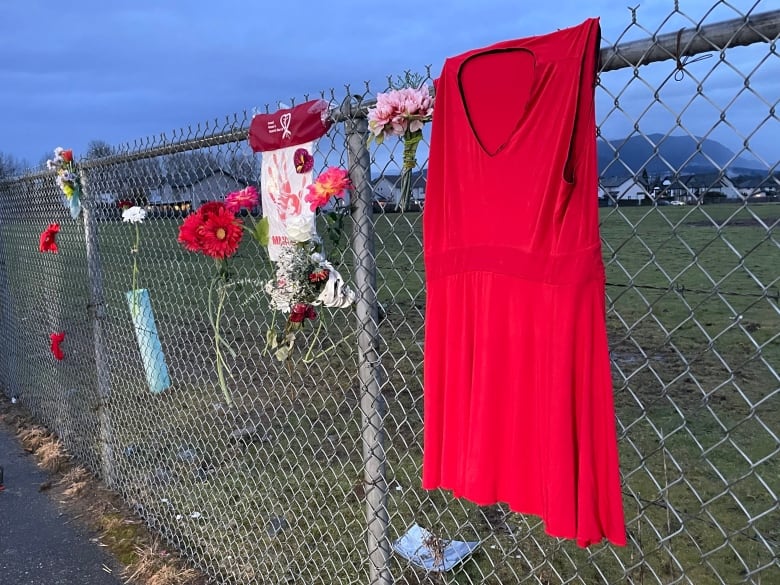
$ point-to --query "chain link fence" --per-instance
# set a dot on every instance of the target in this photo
(308, 470)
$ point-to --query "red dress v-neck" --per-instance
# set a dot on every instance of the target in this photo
(517, 384)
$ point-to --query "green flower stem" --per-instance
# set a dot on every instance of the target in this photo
(411, 142)
(314, 339)
(272, 328)
(218, 339)
(327, 350)
(135, 251)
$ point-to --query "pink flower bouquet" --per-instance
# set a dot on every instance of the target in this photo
(402, 112)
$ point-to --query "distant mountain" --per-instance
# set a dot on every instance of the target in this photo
(627, 157)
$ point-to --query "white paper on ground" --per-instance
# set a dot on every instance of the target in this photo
(411, 547)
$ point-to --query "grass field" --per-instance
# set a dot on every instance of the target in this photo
(268, 489)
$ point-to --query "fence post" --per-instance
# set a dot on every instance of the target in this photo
(372, 405)
(98, 307)
(8, 344)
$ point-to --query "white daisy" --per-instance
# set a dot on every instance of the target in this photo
(134, 214)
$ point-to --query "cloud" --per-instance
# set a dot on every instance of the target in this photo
(121, 71)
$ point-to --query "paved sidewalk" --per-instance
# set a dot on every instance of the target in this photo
(38, 544)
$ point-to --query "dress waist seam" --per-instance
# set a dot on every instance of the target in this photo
(572, 268)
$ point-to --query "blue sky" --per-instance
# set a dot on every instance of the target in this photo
(121, 71)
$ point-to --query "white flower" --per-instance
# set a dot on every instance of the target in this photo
(279, 300)
(299, 229)
(134, 214)
(58, 151)
(51, 165)
(68, 176)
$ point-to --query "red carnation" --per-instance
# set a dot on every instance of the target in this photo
(220, 234)
(302, 311)
(56, 339)
(67, 155)
(48, 242)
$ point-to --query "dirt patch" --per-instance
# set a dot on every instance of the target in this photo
(85, 499)
(736, 222)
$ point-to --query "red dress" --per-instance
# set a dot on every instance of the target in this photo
(517, 384)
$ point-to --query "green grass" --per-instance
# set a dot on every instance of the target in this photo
(693, 324)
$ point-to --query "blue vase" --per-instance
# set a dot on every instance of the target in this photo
(148, 340)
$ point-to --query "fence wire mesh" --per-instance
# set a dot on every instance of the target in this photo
(307, 470)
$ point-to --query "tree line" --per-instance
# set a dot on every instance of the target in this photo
(135, 180)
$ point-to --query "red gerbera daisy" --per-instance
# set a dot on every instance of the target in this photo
(220, 234)
(189, 232)
(48, 242)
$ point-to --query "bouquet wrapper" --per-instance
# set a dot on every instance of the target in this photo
(152, 356)
(74, 203)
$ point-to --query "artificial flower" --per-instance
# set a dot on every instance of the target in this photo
(220, 234)
(215, 231)
(67, 178)
(56, 340)
(400, 111)
(300, 229)
(210, 207)
(124, 204)
(189, 232)
(303, 280)
(192, 230)
(320, 275)
(244, 199)
(48, 241)
(305, 277)
(330, 183)
(304, 162)
(66, 187)
(302, 311)
(134, 214)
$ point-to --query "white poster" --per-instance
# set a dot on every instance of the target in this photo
(283, 190)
